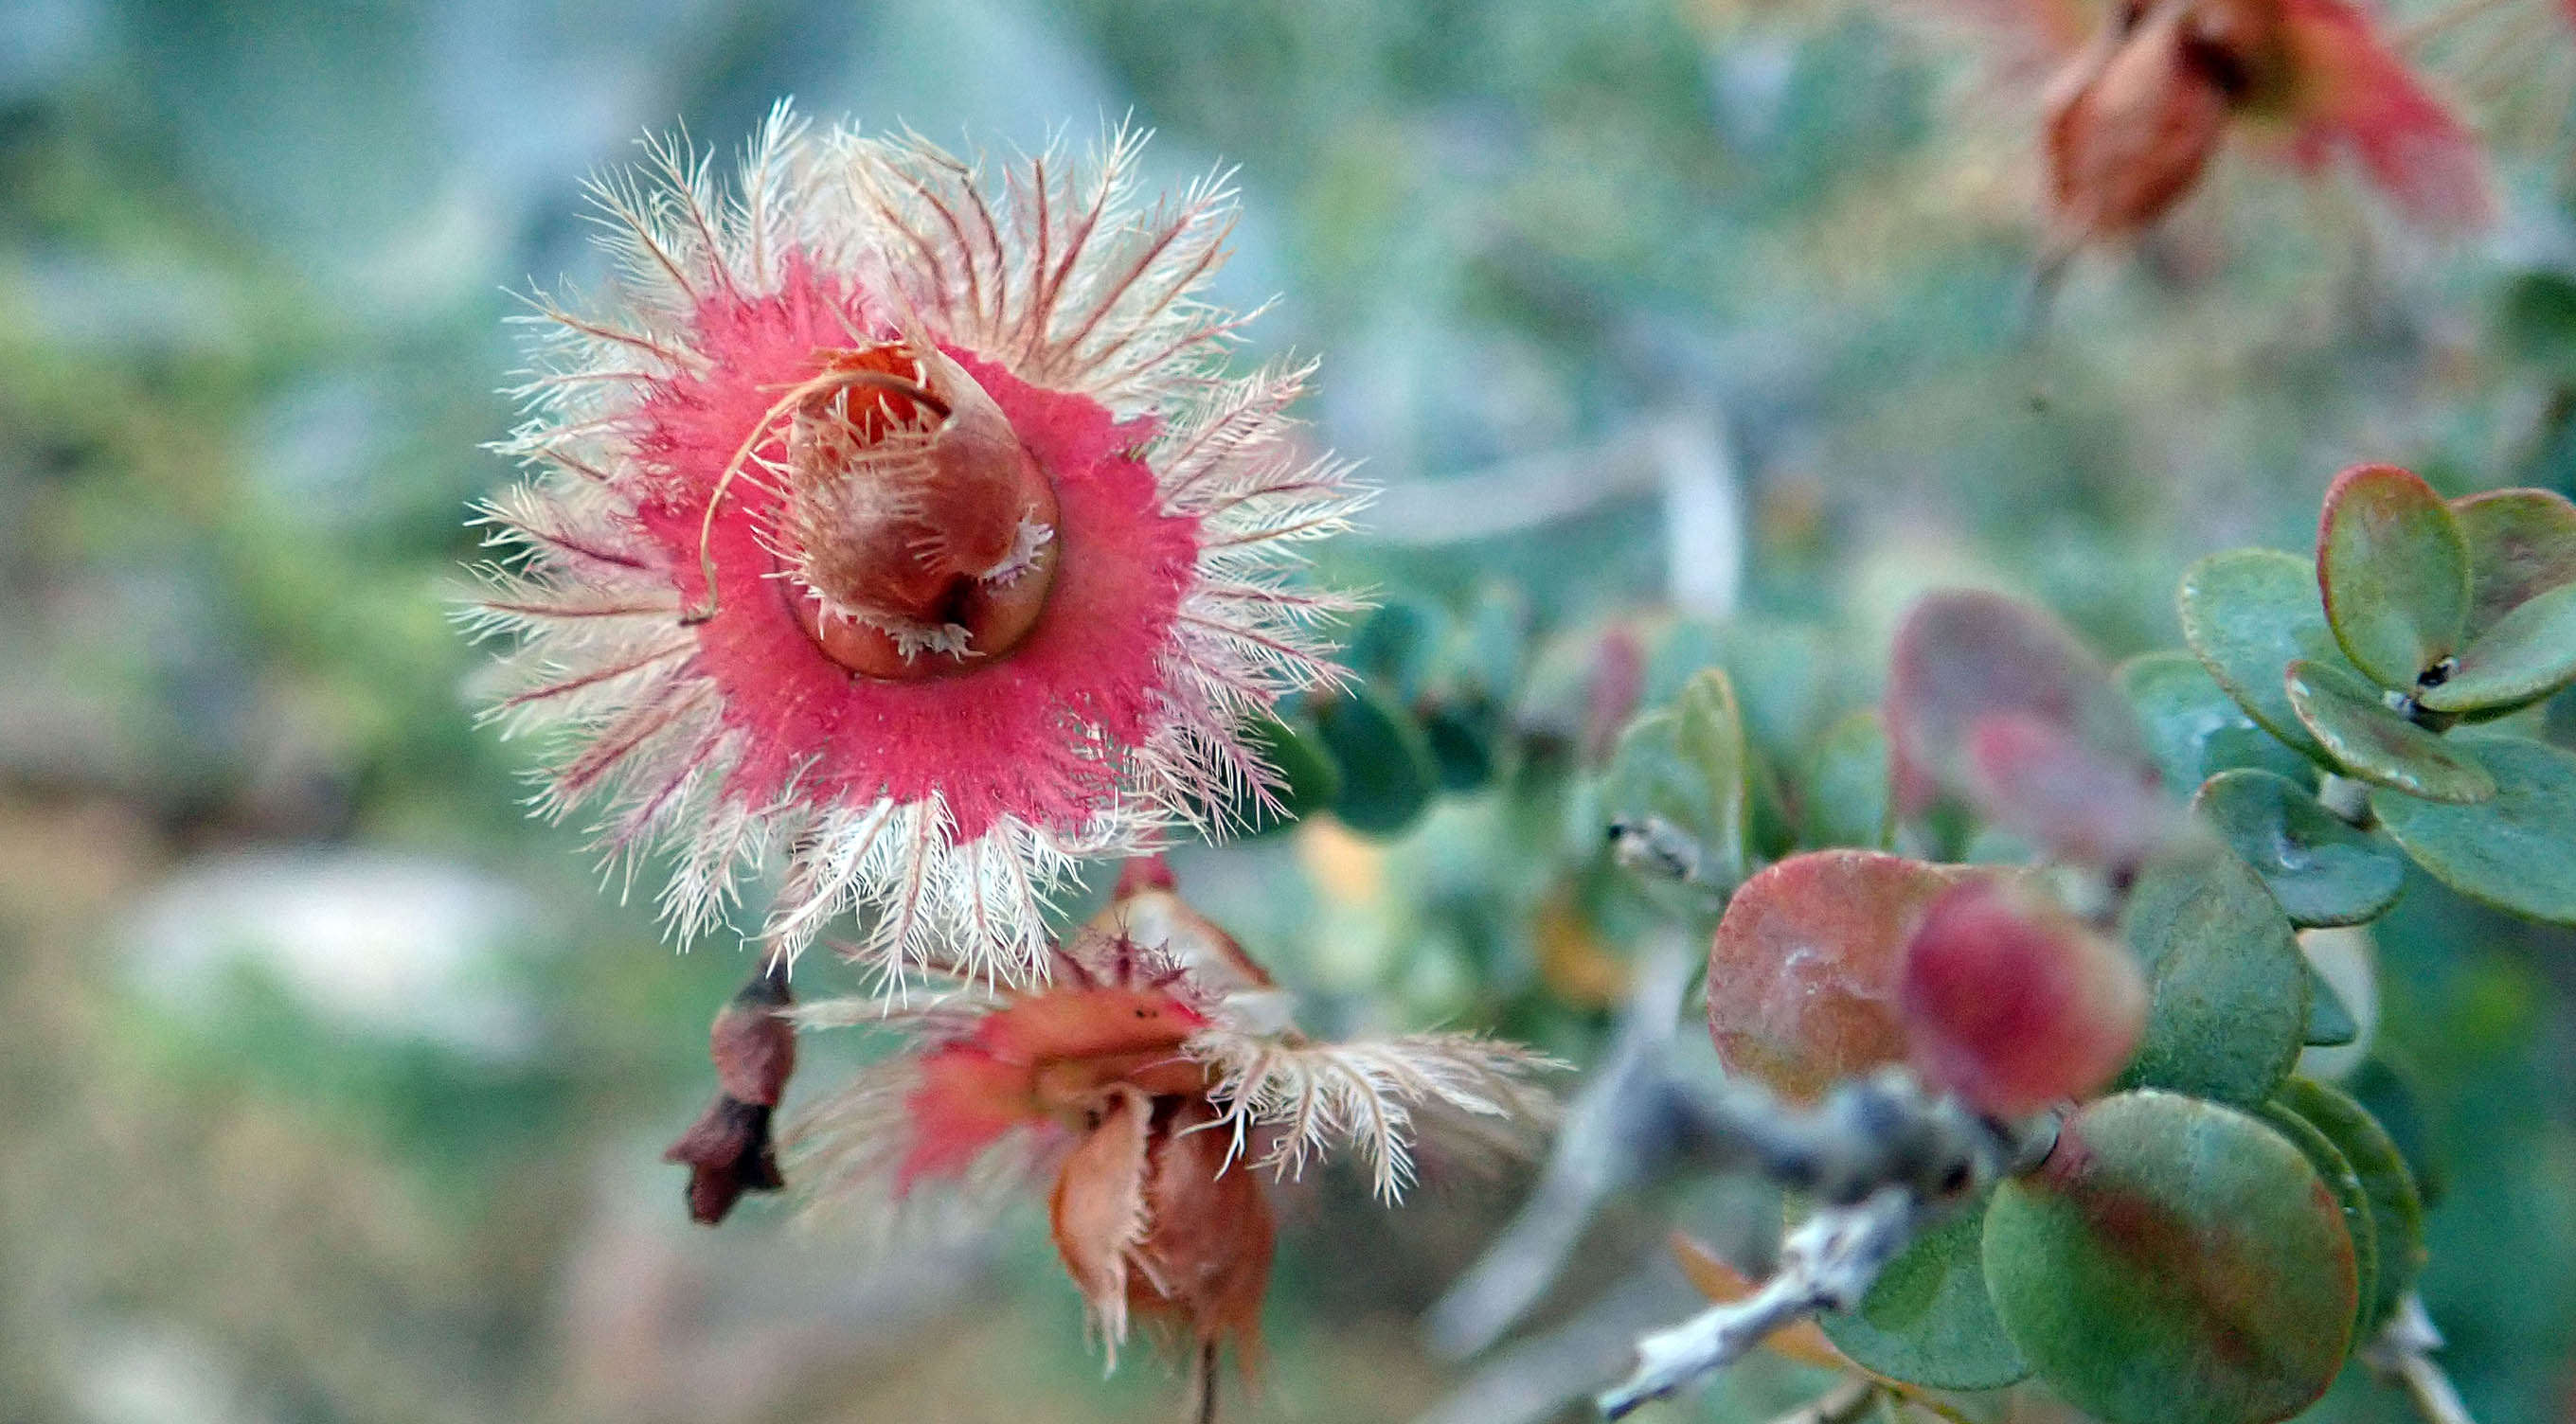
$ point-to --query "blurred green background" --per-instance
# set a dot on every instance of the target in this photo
(332, 1089)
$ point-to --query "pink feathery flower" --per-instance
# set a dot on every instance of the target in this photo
(903, 522)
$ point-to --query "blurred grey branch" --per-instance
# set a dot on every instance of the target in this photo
(1682, 453)
(1883, 1158)
(1828, 1263)
(1612, 1135)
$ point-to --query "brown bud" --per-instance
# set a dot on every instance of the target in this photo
(728, 1152)
(1152, 1218)
(753, 1047)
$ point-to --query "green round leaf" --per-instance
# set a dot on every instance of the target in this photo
(2174, 1262)
(2389, 1095)
(2536, 322)
(1398, 647)
(1849, 795)
(2350, 1199)
(2321, 869)
(2516, 852)
(2330, 1021)
(2396, 1209)
(1462, 745)
(2227, 1002)
(1491, 647)
(1993, 845)
(1388, 774)
(2194, 729)
(2247, 613)
(1785, 673)
(2375, 744)
(2522, 542)
(2394, 569)
(1928, 1320)
(2529, 654)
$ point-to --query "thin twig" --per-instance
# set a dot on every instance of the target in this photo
(2403, 1355)
(1203, 1407)
(1612, 1133)
(1520, 494)
(1828, 1263)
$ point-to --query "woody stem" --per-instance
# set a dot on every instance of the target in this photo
(1204, 1409)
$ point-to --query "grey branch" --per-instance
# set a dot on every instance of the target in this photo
(1879, 1131)
(1828, 1263)
(1884, 1159)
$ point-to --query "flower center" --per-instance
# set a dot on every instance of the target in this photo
(917, 533)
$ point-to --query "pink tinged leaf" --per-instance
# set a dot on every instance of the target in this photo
(2522, 543)
(2014, 1004)
(2353, 92)
(2079, 804)
(1963, 659)
(1803, 971)
(1610, 697)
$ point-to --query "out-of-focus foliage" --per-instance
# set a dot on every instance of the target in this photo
(331, 1089)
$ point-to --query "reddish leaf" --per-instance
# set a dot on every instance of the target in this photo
(2072, 801)
(2014, 1004)
(2522, 543)
(1997, 701)
(1803, 971)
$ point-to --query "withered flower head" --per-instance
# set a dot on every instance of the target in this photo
(2139, 96)
(1148, 1079)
